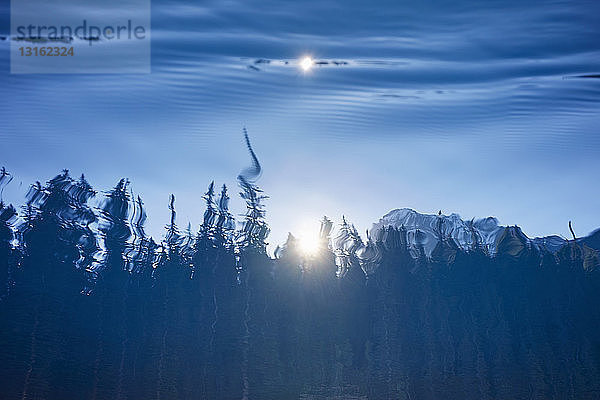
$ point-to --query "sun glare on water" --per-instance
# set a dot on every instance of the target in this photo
(306, 63)
(309, 243)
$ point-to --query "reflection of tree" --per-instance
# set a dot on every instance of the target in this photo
(255, 229)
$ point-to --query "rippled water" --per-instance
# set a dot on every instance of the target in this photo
(430, 105)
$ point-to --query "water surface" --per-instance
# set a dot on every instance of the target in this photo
(478, 108)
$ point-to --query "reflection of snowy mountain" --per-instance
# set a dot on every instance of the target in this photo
(427, 230)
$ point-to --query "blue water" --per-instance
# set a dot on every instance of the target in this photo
(473, 107)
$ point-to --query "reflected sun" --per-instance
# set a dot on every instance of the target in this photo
(306, 63)
(309, 243)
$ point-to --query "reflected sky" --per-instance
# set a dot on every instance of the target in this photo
(460, 106)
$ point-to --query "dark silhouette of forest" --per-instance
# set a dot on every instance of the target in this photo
(93, 308)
